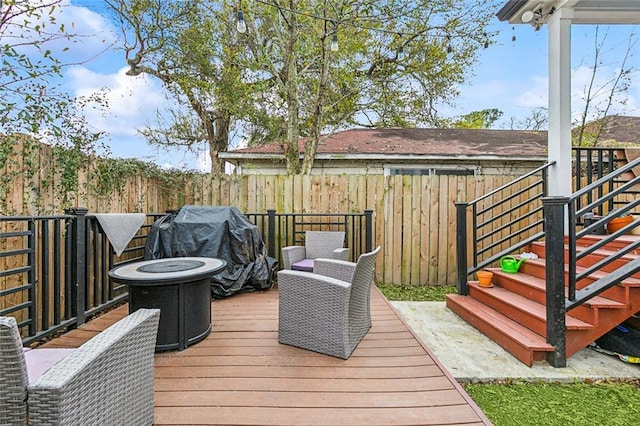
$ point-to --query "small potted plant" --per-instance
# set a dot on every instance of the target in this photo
(619, 222)
(484, 278)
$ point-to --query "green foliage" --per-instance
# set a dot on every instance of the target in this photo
(415, 293)
(111, 174)
(397, 59)
(482, 119)
(33, 102)
(37, 167)
(392, 68)
(68, 162)
(186, 45)
(506, 404)
(30, 100)
(6, 179)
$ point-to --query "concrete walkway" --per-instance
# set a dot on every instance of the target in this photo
(471, 356)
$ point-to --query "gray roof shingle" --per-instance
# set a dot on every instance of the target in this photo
(423, 142)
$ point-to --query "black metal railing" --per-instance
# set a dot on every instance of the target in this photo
(54, 269)
(485, 237)
(592, 164)
(279, 230)
(21, 248)
(605, 187)
(599, 196)
(498, 223)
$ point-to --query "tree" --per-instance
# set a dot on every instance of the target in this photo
(396, 61)
(32, 101)
(598, 99)
(33, 106)
(536, 121)
(24, 85)
(482, 119)
(281, 79)
(190, 46)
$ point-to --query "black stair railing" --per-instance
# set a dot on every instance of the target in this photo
(499, 223)
(562, 216)
(593, 163)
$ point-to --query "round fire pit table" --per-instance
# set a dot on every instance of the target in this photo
(181, 288)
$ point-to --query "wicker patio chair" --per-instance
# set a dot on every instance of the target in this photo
(327, 311)
(325, 244)
(108, 380)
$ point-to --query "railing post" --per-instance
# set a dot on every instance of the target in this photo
(368, 231)
(78, 263)
(461, 248)
(271, 234)
(32, 279)
(554, 212)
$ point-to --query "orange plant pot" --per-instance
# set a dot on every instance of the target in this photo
(484, 278)
(618, 223)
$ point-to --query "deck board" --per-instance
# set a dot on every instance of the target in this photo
(241, 375)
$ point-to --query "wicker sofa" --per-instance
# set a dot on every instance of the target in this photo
(317, 244)
(108, 380)
(327, 311)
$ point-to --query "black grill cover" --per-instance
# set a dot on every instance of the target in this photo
(213, 231)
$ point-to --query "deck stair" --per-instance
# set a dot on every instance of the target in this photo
(513, 312)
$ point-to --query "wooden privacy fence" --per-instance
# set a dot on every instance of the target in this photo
(414, 216)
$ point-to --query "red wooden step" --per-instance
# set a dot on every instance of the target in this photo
(527, 312)
(512, 312)
(617, 244)
(620, 243)
(516, 339)
(601, 254)
(537, 268)
(534, 288)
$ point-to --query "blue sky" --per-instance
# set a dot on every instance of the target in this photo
(511, 76)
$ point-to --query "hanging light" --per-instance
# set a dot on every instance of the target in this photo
(241, 25)
(334, 43)
(449, 48)
(334, 38)
(486, 40)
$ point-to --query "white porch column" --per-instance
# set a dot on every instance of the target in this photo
(559, 137)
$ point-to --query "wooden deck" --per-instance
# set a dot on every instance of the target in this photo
(241, 375)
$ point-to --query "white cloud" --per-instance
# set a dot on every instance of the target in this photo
(83, 34)
(131, 101)
(95, 32)
(536, 94)
(624, 101)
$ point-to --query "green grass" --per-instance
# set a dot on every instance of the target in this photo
(415, 293)
(549, 404)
